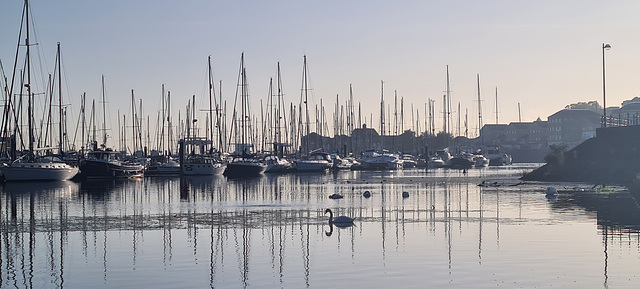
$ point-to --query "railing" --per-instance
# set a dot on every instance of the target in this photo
(620, 120)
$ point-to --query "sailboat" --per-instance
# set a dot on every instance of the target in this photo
(29, 166)
(244, 162)
(276, 162)
(105, 163)
(161, 163)
(202, 163)
(314, 161)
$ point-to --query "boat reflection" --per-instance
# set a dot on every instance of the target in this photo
(272, 225)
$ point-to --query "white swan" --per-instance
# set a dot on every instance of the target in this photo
(342, 220)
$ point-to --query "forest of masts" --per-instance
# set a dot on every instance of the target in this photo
(222, 124)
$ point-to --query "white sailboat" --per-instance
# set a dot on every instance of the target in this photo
(29, 166)
(312, 160)
(203, 163)
(243, 162)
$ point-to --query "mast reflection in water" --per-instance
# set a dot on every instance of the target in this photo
(271, 231)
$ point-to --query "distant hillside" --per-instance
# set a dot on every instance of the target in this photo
(612, 157)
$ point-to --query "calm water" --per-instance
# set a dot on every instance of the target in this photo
(271, 232)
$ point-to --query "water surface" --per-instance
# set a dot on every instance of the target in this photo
(271, 232)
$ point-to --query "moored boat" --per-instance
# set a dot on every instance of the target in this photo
(162, 166)
(480, 161)
(372, 160)
(461, 161)
(244, 166)
(38, 170)
(315, 162)
(496, 158)
(31, 166)
(106, 163)
(277, 165)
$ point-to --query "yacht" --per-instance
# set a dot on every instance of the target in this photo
(372, 160)
(315, 162)
(41, 169)
(202, 165)
(244, 166)
(277, 165)
(162, 166)
(496, 158)
(106, 163)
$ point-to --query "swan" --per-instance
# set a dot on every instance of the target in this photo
(342, 220)
(335, 196)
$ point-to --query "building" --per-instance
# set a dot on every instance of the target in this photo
(572, 126)
(493, 134)
(627, 114)
(527, 135)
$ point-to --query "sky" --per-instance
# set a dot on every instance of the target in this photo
(541, 55)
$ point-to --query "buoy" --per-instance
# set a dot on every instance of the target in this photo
(405, 194)
(366, 194)
(551, 191)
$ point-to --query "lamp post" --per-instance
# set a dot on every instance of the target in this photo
(604, 91)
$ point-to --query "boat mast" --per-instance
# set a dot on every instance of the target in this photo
(104, 117)
(278, 130)
(459, 116)
(479, 106)
(211, 99)
(162, 147)
(84, 120)
(60, 135)
(382, 107)
(243, 108)
(222, 121)
(306, 102)
(447, 105)
(193, 119)
(401, 115)
(28, 85)
(169, 127)
(395, 112)
(140, 126)
(133, 123)
(93, 121)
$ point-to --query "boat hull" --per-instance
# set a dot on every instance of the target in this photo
(460, 163)
(381, 166)
(93, 169)
(312, 166)
(278, 168)
(244, 169)
(203, 169)
(38, 172)
(162, 171)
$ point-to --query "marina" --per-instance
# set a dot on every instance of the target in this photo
(272, 231)
(129, 163)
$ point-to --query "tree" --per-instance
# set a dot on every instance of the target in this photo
(556, 156)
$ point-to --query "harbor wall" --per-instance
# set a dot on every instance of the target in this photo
(612, 157)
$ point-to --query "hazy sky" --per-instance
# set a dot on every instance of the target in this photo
(541, 54)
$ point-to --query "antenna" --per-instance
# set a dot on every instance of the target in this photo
(496, 104)
(519, 114)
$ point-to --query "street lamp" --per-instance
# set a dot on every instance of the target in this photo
(604, 91)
